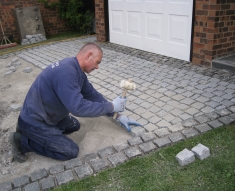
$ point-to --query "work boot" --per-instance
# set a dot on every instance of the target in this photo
(16, 148)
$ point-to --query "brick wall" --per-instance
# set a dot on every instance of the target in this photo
(52, 24)
(214, 30)
(100, 20)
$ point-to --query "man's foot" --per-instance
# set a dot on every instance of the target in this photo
(16, 151)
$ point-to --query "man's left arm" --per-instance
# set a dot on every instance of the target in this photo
(91, 94)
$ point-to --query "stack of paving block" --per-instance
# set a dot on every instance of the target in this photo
(186, 156)
(32, 39)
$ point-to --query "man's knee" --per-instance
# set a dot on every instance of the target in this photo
(71, 152)
(74, 151)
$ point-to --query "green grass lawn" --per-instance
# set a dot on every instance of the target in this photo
(52, 38)
(160, 170)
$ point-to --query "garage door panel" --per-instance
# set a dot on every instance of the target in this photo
(117, 21)
(134, 23)
(178, 29)
(159, 26)
(154, 26)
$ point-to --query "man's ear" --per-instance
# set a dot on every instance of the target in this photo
(89, 55)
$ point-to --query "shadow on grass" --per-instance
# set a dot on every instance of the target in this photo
(160, 170)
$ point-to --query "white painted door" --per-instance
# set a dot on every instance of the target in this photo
(159, 26)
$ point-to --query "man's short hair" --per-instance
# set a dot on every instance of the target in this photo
(91, 45)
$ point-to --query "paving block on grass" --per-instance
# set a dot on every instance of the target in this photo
(47, 183)
(32, 187)
(83, 171)
(64, 177)
(185, 157)
(201, 151)
(117, 158)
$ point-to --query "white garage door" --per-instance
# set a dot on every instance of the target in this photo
(159, 26)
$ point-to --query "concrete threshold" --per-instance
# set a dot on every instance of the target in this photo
(225, 63)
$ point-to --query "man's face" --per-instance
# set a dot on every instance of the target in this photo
(94, 60)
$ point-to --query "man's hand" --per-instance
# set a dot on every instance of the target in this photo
(119, 104)
(125, 122)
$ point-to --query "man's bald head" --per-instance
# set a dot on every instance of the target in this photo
(89, 46)
(89, 57)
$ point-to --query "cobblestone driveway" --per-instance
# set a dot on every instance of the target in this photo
(173, 101)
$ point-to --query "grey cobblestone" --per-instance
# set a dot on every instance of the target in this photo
(147, 147)
(188, 133)
(203, 128)
(72, 163)
(176, 137)
(47, 183)
(215, 124)
(38, 175)
(99, 164)
(223, 112)
(90, 157)
(83, 171)
(226, 120)
(106, 151)
(64, 177)
(202, 119)
(148, 137)
(5, 186)
(21, 181)
(189, 123)
(56, 169)
(132, 152)
(137, 131)
(32, 187)
(134, 141)
(162, 142)
(150, 127)
(162, 132)
(121, 146)
(117, 158)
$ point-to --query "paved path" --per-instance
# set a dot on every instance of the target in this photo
(173, 101)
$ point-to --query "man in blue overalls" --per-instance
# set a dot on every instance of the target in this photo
(60, 89)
